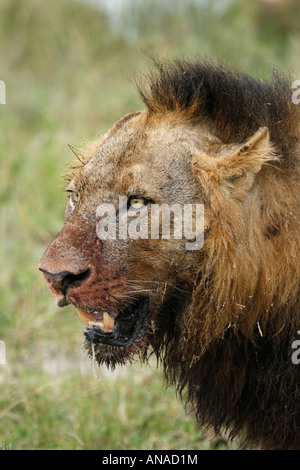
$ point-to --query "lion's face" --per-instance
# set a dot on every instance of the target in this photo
(126, 289)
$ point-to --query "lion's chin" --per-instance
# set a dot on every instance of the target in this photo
(111, 356)
(116, 340)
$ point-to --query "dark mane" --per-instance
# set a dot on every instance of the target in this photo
(233, 104)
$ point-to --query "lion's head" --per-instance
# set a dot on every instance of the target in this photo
(207, 138)
(126, 289)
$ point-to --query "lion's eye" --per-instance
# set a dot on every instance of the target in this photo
(137, 202)
(74, 198)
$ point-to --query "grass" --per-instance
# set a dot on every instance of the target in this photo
(69, 74)
(81, 414)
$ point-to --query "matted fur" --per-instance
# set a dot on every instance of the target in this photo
(233, 355)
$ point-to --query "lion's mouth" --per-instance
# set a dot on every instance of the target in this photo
(116, 328)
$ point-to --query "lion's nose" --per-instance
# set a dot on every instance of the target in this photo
(63, 280)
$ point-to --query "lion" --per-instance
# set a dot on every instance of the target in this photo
(222, 318)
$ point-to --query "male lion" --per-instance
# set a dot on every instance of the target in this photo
(223, 318)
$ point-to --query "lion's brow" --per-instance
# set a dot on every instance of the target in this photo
(77, 178)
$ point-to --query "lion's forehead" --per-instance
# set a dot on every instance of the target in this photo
(136, 157)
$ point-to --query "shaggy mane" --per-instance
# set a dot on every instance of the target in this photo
(229, 354)
(233, 104)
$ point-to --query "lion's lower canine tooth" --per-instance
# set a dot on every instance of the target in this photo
(108, 321)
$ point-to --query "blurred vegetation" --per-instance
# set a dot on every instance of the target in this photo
(69, 70)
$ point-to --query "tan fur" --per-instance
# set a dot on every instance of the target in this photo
(223, 318)
(251, 275)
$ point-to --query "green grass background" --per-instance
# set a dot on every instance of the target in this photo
(69, 70)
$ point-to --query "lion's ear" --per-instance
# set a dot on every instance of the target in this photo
(240, 165)
(233, 167)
